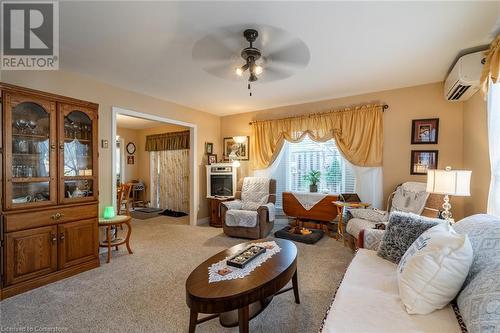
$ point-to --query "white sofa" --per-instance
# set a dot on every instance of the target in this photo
(367, 301)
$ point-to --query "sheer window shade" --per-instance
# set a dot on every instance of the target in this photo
(297, 159)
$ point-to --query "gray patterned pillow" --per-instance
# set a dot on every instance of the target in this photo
(403, 229)
(479, 300)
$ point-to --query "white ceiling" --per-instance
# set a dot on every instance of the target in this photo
(135, 123)
(355, 47)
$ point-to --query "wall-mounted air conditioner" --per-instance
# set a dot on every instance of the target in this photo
(463, 80)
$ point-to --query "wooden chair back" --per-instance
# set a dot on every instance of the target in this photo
(124, 197)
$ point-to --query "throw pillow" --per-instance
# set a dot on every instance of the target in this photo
(433, 269)
(401, 231)
(370, 214)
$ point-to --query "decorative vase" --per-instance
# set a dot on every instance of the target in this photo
(313, 188)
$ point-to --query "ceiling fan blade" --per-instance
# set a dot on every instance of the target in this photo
(225, 71)
(274, 73)
(294, 53)
(214, 49)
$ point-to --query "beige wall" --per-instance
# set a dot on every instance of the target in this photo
(107, 96)
(131, 171)
(405, 104)
(476, 155)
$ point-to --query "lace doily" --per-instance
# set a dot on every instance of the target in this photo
(238, 273)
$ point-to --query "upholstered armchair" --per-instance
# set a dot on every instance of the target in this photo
(396, 202)
(263, 225)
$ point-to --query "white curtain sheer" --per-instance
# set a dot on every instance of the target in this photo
(494, 147)
(170, 179)
(369, 185)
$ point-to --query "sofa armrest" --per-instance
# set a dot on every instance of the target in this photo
(370, 239)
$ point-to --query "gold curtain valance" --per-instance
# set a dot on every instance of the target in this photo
(358, 134)
(168, 141)
(491, 68)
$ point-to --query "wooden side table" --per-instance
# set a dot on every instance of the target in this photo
(215, 216)
(118, 220)
(341, 205)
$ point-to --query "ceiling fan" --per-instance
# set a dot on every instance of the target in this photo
(271, 53)
(250, 54)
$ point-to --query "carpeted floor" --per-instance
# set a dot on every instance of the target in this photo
(144, 292)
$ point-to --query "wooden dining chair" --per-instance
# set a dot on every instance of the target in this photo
(123, 194)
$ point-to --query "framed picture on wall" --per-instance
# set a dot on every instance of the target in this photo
(423, 160)
(424, 131)
(212, 158)
(130, 159)
(209, 148)
(237, 150)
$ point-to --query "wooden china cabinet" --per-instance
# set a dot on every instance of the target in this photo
(49, 217)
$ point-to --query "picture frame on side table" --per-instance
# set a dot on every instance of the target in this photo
(423, 160)
(212, 158)
(424, 131)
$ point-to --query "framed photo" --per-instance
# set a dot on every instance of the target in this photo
(240, 151)
(424, 131)
(212, 158)
(130, 159)
(209, 148)
(423, 160)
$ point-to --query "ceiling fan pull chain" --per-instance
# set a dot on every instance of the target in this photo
(249, 88)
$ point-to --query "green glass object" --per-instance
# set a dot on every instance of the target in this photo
(109, 212)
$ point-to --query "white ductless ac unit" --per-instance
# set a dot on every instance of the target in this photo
(463, 80)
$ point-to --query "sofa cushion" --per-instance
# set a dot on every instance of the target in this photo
(433, 269)
(479, 300)
(401, 231)
(368, 301)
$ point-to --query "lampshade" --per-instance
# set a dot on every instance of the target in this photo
(451, 182)
(109, 212)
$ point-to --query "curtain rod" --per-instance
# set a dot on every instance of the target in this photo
(384, 107)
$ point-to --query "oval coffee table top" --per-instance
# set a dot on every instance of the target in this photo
(199, 289)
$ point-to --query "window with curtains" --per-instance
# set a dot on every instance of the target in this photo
(494, 147)
(297, 159)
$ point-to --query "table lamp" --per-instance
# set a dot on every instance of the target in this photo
(449, 182)
(109, 212)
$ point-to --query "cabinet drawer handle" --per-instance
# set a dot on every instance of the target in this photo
(61, 146)
(61, 237)
(52, 146)
(54, 238)
(57, 216)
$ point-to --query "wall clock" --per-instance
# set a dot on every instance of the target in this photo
(130, 148)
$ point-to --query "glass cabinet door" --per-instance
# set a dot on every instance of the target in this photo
(78, 162)
(30, 151)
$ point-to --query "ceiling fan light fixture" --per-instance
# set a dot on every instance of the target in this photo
(258, 69)
(252, 77)
(238, 71)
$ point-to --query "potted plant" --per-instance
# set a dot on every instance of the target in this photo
(313, 177)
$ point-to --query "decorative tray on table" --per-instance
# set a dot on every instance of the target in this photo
(242, 258)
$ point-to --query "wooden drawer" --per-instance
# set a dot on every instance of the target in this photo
(27, 220)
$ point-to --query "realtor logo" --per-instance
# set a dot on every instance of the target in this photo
(30, 35)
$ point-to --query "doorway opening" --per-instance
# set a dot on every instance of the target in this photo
(149, 174)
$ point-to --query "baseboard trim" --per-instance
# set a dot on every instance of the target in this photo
(203, 220)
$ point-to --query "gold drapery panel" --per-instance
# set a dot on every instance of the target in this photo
(358, 133)
(168, 141)
(491, 68)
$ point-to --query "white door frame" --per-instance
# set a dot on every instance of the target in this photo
(193, 175)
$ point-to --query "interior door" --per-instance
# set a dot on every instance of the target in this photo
(30, 253)
(30, 155)
(78, 154)
(78, 242)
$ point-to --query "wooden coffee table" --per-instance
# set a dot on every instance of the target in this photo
(237, 301)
